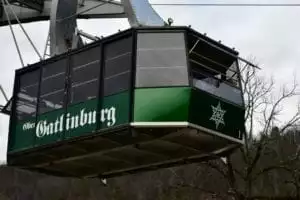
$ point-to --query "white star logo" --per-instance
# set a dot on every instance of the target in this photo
(218, 115)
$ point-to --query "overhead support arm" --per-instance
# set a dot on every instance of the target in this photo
(141, 13)
(63, 26)
(63, 15)
(90, 9)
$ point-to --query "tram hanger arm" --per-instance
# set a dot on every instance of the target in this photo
(90, 9)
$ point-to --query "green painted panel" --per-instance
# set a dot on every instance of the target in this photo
(22, 135)
(50, 127)
(80, 119)
(161, 104)
(115, 110)
(214, 113)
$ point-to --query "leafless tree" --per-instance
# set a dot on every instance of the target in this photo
(242, 170)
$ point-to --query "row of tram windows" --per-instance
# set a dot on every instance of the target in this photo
(162, 60)
(75, 79)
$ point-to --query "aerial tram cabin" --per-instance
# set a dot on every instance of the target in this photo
(139, 100)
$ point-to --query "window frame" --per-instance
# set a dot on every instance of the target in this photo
(69, 80)
(65, 82)
(226, 50)
(17, 90)
(132, 36)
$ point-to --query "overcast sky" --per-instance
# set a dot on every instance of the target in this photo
(270, 34)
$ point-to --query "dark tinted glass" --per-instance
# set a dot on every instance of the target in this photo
(161, 60)
(53, 86)
(26, 100)
(85, 71)
(118, 61)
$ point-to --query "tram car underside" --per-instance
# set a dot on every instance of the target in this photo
(139, 100)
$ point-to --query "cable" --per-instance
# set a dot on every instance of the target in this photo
(3, 93)
(12, 32)
(228, 4)
(24, 31)
(46, 45)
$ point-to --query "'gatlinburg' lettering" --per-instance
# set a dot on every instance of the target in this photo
(69, 122)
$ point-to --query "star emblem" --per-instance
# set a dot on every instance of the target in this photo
(218, 115)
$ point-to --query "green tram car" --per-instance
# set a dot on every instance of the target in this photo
(138, 100)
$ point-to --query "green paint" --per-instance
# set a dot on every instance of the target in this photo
(86, 113)
(180, 104)
(22, 136)
(176, 104)
(47, 129)
(201, 113)
(122, 104)
(77, 120)
(161, 104)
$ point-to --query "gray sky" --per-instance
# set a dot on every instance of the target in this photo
(270, 34)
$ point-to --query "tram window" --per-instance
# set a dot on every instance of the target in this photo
(214, 71)
(117, 66)
(161, 60)
(26, 100)
(52, 86)
(85, 72)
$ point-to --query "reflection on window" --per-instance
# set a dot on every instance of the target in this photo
(222, 90)
(85, 70)
(26, 100)
(117, 66)
(214, 71)
(161, 60)
(52, 86)
(232, 75)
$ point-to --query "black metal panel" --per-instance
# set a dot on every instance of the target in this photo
(187, 55)
(133, 75)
